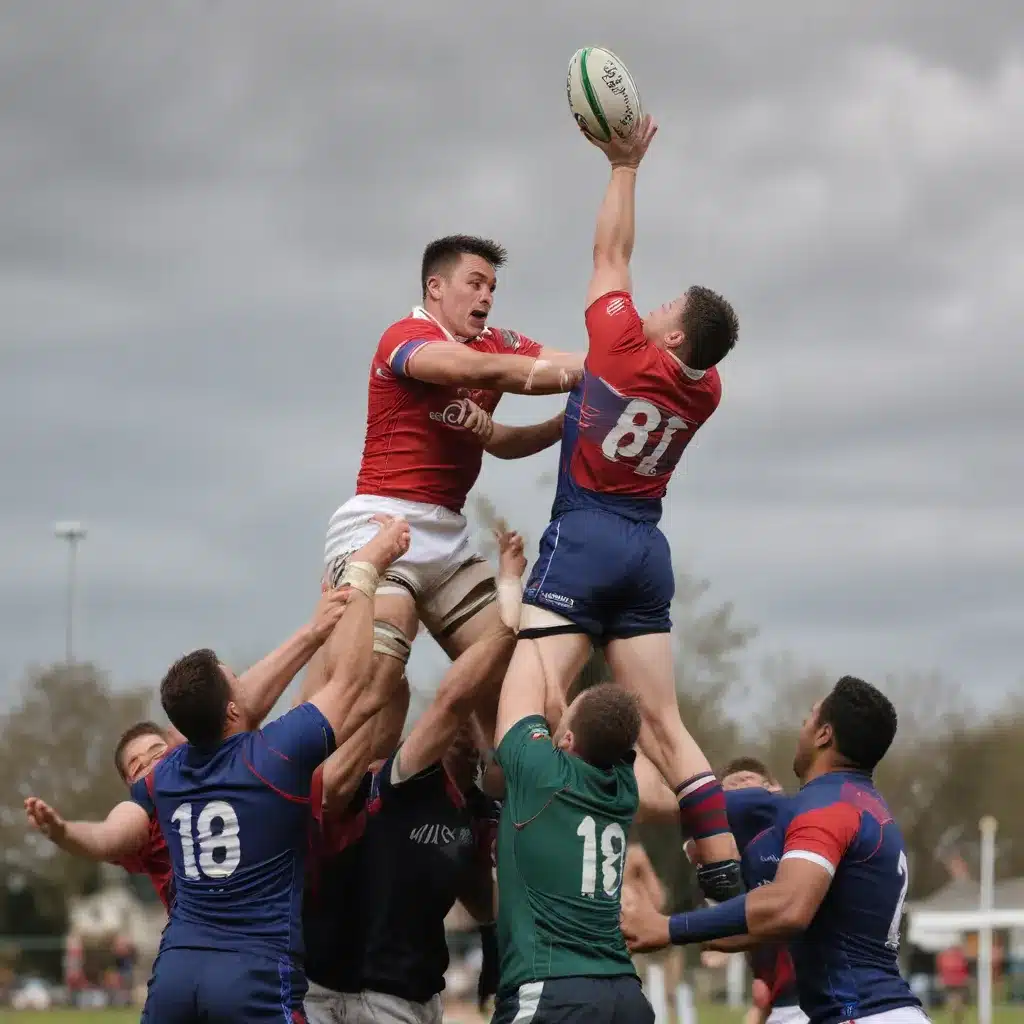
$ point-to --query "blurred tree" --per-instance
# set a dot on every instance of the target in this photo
(58, 743)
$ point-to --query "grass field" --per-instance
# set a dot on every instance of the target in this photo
(709, 1014)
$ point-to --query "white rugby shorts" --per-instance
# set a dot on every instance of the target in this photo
(439, 543)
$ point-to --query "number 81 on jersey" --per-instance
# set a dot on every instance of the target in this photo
(636, 423)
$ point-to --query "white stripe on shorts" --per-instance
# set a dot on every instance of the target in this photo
(529, 1001)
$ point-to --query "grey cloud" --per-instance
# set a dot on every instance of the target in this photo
(219, 206)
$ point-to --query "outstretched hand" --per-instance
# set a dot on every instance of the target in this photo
(628, 151)
(511, 559)
(644, 928)
(43, 818)
(329, 611)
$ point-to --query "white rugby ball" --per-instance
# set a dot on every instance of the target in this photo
(603, 97)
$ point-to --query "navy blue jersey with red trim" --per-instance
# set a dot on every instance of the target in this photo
(753, 814)
(847, 960)
(629, 419)
(236, 822)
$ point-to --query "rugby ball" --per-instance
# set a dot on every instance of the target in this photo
(603, 97)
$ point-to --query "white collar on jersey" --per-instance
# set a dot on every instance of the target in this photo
(692, 374)
(420, 313)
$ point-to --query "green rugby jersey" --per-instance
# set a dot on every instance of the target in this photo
(561, 849)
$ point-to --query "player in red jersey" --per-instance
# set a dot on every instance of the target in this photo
(604, 574)
(837, 895)
(435, 378)
(142, 745)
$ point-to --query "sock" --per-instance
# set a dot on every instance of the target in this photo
(702, 807)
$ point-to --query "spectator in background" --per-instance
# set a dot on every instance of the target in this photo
(124, 963)
(955, 977)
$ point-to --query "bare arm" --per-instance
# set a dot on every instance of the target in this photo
(614, 237)
(123, 832)
(528, 695)
(433, 733)
(657, 802)
(377, 737)
(786, 906)
(616, 220)
(453, 364)
(521, 442)
(261, 686)
(353, 636)
(477, 894)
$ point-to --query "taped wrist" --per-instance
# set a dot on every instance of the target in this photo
(510, 601)
(361, 576)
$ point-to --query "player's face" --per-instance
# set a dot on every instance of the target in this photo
(745, 780)
(661, 325)
(807, 743)
(465, 297)
(140, 754)
(462, 758)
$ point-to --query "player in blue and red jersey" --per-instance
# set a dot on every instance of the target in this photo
(143, 744)
(604, 573)
(754, 802)
(234, 805)
(838, 893)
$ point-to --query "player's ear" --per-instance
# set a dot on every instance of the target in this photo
(824, 736)
(566, 741)
(434, 287)
(674, 340)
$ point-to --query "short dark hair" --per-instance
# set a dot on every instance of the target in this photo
(745, 763)
(195, 695)
(710, 325)
(443, 254)
(605, 724)
(863, 722)
(133, 732)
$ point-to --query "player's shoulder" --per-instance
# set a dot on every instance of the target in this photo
(414, 327)
(501, 339)
(618, 304)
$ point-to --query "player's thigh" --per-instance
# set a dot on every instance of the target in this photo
(644, 665)
(172, 990)
(239, 989)
(485, 626)
(462, 607)
(554, 655)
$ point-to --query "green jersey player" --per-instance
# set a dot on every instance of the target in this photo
(570, 801)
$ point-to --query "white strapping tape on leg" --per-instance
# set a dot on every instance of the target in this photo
(390, 640)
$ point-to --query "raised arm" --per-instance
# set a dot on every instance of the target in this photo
(354, 636)
(262, 685)
(434, 731)
(616, 220)
(123, 832)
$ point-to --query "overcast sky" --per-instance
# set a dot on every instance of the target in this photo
(211, 211)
